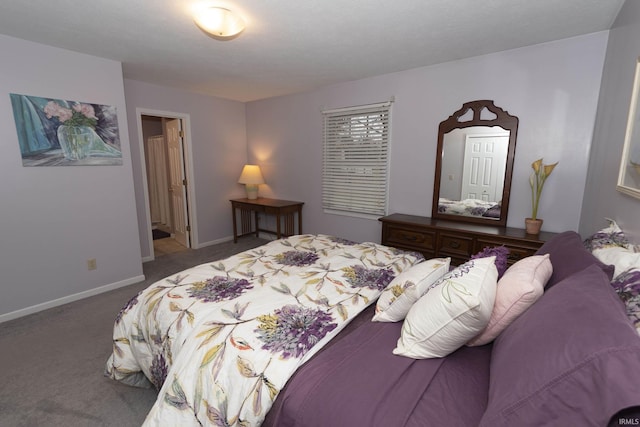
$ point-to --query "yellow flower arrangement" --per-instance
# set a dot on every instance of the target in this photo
(536, 181)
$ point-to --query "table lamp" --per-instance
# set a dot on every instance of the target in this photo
(251, 177)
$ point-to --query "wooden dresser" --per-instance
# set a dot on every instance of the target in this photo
(440, 238)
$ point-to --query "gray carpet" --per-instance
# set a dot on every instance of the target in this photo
(52, 362)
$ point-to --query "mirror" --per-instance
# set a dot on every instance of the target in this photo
(474, 164)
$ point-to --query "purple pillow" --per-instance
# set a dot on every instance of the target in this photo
(573, 358)
(493, 212)
(568, 256)
(627, 283)
(500, 252)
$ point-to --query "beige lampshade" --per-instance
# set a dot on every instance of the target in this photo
(251, 177)
(251, 174)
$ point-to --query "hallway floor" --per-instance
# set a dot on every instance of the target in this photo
(167, 246)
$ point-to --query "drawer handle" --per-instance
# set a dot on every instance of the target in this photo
(410, 238)
(454, 245)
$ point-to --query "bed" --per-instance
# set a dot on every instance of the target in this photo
(563, 350)
(469, 207)
(220, 340)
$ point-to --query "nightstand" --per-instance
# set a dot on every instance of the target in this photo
(284, 211)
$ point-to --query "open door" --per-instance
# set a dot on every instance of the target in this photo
(177, 181)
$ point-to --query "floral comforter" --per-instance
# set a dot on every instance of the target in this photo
(220, 340)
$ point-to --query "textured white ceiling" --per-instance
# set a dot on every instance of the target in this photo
(295, 45)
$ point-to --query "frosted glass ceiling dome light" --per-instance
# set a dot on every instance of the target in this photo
(219, 23)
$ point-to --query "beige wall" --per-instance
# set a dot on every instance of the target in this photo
(552, 88)
(602, 200)
(53, 219)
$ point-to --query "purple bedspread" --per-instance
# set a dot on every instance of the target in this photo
(389, 390)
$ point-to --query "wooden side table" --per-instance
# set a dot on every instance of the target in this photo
(282, 209)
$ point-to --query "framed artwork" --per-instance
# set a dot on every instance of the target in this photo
(629, 175)
(55, 132)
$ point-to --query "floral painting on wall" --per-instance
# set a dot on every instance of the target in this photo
(629, 175)
(54, 132)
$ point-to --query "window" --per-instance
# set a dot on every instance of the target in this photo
(356, 160)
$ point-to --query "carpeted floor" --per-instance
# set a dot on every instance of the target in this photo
(52, 362)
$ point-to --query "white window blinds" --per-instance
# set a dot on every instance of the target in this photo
(356, 160)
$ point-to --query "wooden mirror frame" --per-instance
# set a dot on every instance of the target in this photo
(504, 120)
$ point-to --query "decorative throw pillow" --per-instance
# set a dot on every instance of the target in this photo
(500, 252)
(521, 286)
(611, 236)
(627, 285)
(622, 259)
(453, 311)
(610, 246)
(572, 359)
(404, 290)
(569, 256)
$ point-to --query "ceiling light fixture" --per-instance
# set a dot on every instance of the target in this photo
(219, 23)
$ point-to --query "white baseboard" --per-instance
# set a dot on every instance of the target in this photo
(265, 236)
(70, 298)
(213, 242)
(194, 246)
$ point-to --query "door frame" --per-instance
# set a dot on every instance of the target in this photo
(188, 166)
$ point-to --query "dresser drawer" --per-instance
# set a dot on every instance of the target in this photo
(517, 251)
(411, 239)
(455, 244)
(440, 238)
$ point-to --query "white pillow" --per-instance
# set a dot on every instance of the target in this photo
(621, 258)
(454, 310)
(403, 291)
(522, 285)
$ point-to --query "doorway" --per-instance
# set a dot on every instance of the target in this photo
(165, 162)
(483, 172)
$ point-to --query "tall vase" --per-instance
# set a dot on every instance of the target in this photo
(532, 226)
(75, 141)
